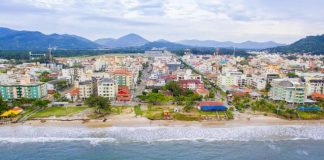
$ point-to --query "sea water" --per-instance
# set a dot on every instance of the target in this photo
(82, 143)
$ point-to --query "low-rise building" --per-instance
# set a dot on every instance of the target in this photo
(188, 75)
(193, 84)
(73, 95)
(123, 94)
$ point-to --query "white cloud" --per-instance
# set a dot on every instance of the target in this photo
(236, 20)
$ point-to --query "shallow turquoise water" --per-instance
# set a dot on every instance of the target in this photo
(145, 143)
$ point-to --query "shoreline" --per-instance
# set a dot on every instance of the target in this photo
(121, 121)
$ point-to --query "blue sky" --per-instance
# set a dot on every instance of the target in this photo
(234, 20)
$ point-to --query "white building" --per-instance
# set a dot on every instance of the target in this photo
(258, 82)
(231, 78)
(315, 86)
(188, 75)
(86, 89)
(288, 90)
(107, 88)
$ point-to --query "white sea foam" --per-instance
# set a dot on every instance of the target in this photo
(28, 134)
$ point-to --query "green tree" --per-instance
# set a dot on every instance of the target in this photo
(188, 105)
(292, 75)
(101, 104)
(40, 103)
(244, 62)
(188, 92)
(195, 97)
(174, 88)
(3, 105)
(211, 94)
(268, 87)
(157, 98)
(57, 95)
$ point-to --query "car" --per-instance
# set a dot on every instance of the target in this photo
(79, 104)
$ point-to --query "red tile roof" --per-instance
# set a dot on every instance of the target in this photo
(317, 95)
(202, 91)
(168, 77)
(122, 71)
(211, 103)
(123, 90)
(74, 91)
(190, 81)
(239, 94)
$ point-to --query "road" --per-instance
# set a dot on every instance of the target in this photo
(210, 85)
(141, 87)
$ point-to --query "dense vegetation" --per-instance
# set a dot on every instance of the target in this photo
(101, 104)
(3, 105)
(30, 40)
(276, 108)
(310, 44)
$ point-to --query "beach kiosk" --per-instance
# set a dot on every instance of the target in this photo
(212, 106)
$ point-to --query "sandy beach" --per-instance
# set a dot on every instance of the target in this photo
(129, 120)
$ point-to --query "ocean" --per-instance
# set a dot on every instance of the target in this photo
(146, 143)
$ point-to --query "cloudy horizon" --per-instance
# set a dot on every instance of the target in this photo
(282, 21)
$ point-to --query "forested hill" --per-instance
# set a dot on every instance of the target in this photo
(34, 40)
(310, 44)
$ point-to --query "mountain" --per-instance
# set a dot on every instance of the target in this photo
(228, 44)
(32, 40)
(130, 40)
(163, 44)
(309, 44)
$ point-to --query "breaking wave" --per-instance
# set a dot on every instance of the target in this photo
(32, 134)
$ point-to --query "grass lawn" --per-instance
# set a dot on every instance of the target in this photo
(206, 113)
(118, 109)
(184, 117)
(154, 115)
(311, 115)
(138, 110)
(58, 111)
(26, 112)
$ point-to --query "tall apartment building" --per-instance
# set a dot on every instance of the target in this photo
(107, 88)
(315, 86)
(257, 82)
(231, 78)
(123, 78)
(288, 90)
(86, 89)
(16, 91)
